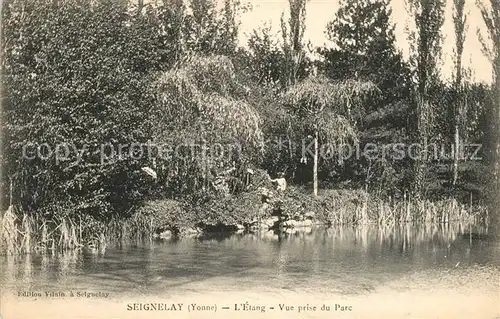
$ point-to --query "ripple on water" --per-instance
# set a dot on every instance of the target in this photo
(331, 261)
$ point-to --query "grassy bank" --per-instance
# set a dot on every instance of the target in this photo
(24, 233)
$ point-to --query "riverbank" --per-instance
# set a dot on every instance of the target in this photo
(256, 210)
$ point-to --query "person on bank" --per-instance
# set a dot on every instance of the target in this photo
(280, 182)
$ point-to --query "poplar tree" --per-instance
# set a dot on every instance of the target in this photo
(491, 48)
(460, 27)
(426, 46)
(293, 42)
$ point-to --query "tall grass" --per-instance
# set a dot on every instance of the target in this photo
(9, 232)
(344, 207)
(25, 233)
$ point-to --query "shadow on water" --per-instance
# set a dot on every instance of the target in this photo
(344, 260)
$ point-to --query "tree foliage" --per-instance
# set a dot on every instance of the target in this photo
(81, 74)
(266, 59)
(200, 105)
(491, 48)
(293, 43)
(73, 76)
(426, 41)
(324, 111)
(364, 47)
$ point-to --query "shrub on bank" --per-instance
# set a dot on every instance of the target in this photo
(73, 81)
(157, 216)
(24, 233)
(205, 212)
(331, 207)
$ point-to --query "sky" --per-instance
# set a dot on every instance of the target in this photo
(320, 12)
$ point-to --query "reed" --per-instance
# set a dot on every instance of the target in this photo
(9, 233)
(26, 233)
(360, 208)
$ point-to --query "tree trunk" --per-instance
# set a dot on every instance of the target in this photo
(456, 154)
(420, 166)
(458, 113)
(460, 26)
(315, 168)
(496, 108)
(458, 110)
(11, 190)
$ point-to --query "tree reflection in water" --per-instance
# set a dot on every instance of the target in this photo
(339, 259)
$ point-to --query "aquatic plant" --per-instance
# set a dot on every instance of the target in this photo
(8, 233)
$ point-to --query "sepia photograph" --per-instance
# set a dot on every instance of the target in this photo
(250, 159)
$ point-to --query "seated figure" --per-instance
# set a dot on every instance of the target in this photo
(280, 182)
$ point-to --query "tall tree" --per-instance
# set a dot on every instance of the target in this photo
(213, 31)
(426, 41)
(293, 41)
(365, 47)
(230, 26)
(202, 33)
(460, 27)
(266, 57)
(172, 16)
(491, 48)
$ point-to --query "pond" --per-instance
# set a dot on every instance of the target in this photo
(353, 264)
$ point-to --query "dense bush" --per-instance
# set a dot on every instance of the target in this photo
(74, 77)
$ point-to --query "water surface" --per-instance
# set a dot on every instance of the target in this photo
(345, 261)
